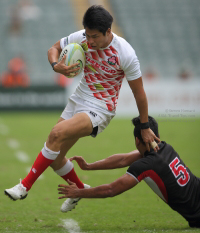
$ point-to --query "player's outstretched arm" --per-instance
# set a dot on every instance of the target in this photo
(112, 162)
(117, 187)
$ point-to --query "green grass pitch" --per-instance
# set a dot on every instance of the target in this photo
(137, 210)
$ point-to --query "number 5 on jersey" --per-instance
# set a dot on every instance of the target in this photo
(179, 170)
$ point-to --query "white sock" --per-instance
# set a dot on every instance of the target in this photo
(49, 154)
(65, 169)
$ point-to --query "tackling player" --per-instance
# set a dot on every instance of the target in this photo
(163, 171)
(109, 58)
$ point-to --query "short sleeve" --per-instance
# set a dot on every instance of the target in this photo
(132, 70)
(139, 167)
(129, 62)
(76, 37)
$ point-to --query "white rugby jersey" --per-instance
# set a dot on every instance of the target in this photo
(105, 69)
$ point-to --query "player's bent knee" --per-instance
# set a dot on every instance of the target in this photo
(55, 136)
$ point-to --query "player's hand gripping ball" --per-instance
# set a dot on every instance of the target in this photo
(74, 54)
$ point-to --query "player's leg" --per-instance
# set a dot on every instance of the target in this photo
(68, 132)
(65, 168)
(72, 129)
(99, 121)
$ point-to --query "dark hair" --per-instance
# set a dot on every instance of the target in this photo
(96, 17)
(137, 130)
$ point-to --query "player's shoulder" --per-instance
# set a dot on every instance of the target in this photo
(125, 51)
(80, 32)
(122, 44)
(77, 37)
(165, 148)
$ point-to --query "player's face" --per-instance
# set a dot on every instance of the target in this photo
(96, 39)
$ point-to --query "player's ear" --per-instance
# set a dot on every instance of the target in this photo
(108, 32)
(137, 141)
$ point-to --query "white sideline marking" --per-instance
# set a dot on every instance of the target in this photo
(22, 156)
(13, 143)
(71, 225)
(4, 129)
(39, 178)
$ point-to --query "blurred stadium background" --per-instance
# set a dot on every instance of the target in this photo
(165, 35)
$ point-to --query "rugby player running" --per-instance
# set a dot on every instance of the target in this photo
(109, 58)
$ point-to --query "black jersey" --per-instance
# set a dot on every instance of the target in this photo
(170, 179)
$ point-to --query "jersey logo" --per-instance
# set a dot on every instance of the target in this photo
(99, 66)
(66, 41)
(112, 60)
(180, 172)
(93, 114)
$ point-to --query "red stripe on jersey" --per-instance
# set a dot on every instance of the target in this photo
(86, 69)
(156, 178)
(99, 77)
(113, 50)
(94, 55)
(112, 83)
(108, 76)
(97, 95)
(92, 88)
(114, 100)
(104, 94)
(111, 92)
(110, 107)
(107, 52)
(105, 63)
(120, 78)
(105, 85)
(87, 79)
(93, 79)
(120, 72)
(89, 46)
(116, 87)
(117, 60)
(100, 53)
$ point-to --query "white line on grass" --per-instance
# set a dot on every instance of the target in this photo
(4, 130)
(13, 143)
(71, 225)
(22, 156)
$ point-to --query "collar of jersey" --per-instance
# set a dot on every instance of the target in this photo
(161, 144)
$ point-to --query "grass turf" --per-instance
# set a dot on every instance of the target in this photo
(137, 210)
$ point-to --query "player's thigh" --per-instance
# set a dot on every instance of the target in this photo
(76, 127)
(60, 119)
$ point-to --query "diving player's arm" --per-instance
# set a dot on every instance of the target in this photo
(112, 162)
(117, 187)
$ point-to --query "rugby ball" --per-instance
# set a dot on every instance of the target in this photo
(74, 54)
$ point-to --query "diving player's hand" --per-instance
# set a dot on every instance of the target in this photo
(81, 162)
(149, 138)
(70, 190)
(61, 68)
